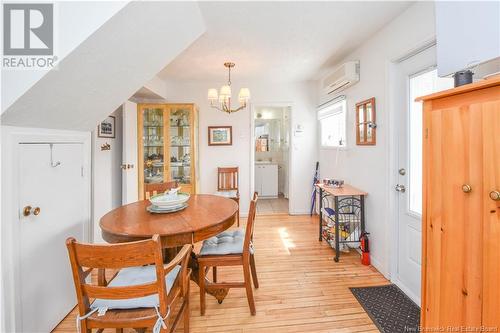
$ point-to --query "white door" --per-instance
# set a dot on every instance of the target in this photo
(416, 76)
(130, 186)
(59, 189)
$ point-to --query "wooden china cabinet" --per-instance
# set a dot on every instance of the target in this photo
(167, 137)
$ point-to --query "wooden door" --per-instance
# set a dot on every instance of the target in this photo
(491, 234)
(452, 215)
(59, 189)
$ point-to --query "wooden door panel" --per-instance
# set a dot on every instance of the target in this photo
(491, 235)
(472, 213)
(434, 220)
(454, 156)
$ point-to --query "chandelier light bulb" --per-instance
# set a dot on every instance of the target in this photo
(212, 95)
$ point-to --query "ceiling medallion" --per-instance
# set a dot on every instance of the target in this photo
(222, 100)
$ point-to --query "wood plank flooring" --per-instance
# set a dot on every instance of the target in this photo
(301, 288)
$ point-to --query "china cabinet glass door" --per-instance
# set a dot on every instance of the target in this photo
(153, 138)
(180, 143)
(167, 139)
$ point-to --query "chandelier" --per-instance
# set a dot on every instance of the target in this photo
(222, 100)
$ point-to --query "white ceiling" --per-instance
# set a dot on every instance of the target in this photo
(281, 41)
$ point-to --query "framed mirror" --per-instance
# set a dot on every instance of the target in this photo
(366, 127)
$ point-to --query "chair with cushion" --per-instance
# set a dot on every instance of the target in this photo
(227, 185)
(154, 189)
(143, 293)
(230, 248)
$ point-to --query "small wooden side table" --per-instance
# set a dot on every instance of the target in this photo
(348, 213)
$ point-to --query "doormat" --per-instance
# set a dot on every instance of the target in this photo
(389, 308)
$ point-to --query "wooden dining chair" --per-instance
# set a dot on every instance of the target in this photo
(230, 248)
(227, 185)
(154, 189)
(141, 294)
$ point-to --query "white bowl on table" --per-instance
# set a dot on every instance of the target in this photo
(169, 199)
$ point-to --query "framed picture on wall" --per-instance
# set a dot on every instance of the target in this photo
(106, 129)
(220, 135)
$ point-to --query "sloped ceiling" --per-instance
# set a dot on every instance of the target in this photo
(79, 20)
(108, 67)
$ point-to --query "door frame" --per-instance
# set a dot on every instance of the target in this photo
(253, 108)
(130, 153)
(392, 178)
(11, 138)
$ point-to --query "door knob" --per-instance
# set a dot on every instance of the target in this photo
(400, 188)
(28, 210)
(495, 195)
(466, 188)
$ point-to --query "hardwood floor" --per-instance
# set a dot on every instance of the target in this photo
(301, 288)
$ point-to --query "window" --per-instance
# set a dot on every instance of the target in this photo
(420, 85)
(332, 119)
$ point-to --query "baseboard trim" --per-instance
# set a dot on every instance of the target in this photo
(376, 263)
(299, 212)
(407, 291)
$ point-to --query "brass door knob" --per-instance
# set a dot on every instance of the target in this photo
(495, 195)
(466, 188)
(28, 210)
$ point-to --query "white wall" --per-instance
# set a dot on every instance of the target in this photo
(304, 153)
(367, 167)
(107, 174)
(462, 45)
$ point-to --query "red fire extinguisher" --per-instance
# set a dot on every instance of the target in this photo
(365, 250)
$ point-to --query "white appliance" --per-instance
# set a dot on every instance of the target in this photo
(341, 78)
(467, 33)
(266, 180)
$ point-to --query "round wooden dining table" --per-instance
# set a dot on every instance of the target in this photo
(206, 216)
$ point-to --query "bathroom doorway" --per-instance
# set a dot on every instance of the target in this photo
(271, 163)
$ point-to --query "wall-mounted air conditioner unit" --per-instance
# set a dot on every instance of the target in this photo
(341, 78)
